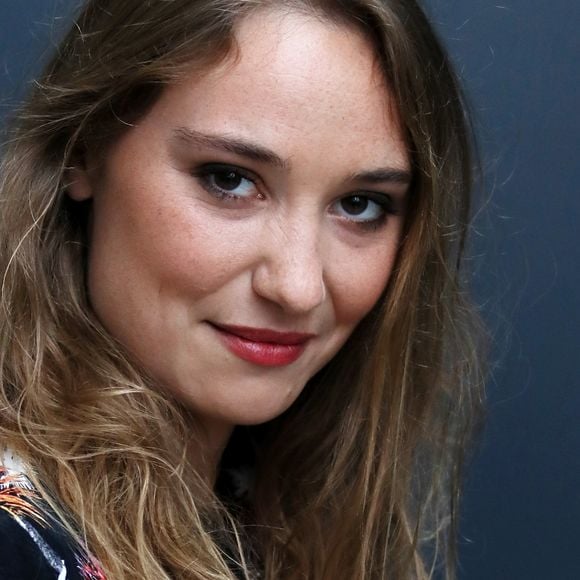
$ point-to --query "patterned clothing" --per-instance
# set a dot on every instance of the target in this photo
(34, 545)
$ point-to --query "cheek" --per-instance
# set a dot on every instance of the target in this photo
(360, 279)
(199, 254)
(156, 248)
(191, 257)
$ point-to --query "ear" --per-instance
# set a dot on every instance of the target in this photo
(80, 184)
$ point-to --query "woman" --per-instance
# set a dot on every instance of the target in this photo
(235, 339)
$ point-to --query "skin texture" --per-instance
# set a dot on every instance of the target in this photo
(168, 257)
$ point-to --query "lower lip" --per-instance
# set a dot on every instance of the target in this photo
(265, 354)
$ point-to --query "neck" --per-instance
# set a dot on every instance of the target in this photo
(207, 446)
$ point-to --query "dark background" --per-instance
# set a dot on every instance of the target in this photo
(521, 518)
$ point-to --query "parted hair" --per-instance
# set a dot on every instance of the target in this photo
(360, 478)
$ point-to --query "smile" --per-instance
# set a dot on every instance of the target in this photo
(262, 347)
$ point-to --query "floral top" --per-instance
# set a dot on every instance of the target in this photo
(34, 545)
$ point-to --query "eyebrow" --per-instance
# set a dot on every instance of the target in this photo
(384, 175)
(262, 154)
(231, 145)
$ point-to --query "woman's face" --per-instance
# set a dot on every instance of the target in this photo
(250, 220)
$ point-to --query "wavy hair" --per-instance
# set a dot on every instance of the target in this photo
(360, 478)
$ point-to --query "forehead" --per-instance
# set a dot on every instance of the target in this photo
(293, 79)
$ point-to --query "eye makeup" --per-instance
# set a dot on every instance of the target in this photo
(365, 210)
(227, 182)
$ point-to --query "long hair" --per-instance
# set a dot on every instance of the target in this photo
(360, 478)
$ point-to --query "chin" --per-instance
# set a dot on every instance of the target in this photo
(248, 412)
(254, 416)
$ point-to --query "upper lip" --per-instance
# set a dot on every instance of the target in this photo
(265, 334)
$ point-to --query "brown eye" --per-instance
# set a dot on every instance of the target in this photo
(355, 205)
(363, 208)
(227, 180)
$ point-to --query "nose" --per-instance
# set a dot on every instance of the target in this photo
(290, 272)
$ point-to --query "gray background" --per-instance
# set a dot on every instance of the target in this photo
(519, 62)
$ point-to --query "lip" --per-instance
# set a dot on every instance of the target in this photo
(263, 346)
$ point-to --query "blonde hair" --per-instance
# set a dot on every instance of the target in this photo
(360, 478)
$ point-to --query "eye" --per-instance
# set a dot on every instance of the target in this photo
(227, 182)
(363, 208)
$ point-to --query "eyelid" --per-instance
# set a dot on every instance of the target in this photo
(390, 203)
(382, 198)
(387, 207)
(204, 170)
(208, 168)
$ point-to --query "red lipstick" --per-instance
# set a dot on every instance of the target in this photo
(262, 346)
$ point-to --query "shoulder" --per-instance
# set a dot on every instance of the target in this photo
(33, 545)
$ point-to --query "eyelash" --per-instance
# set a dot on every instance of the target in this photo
(384, 201)
(206, 173)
